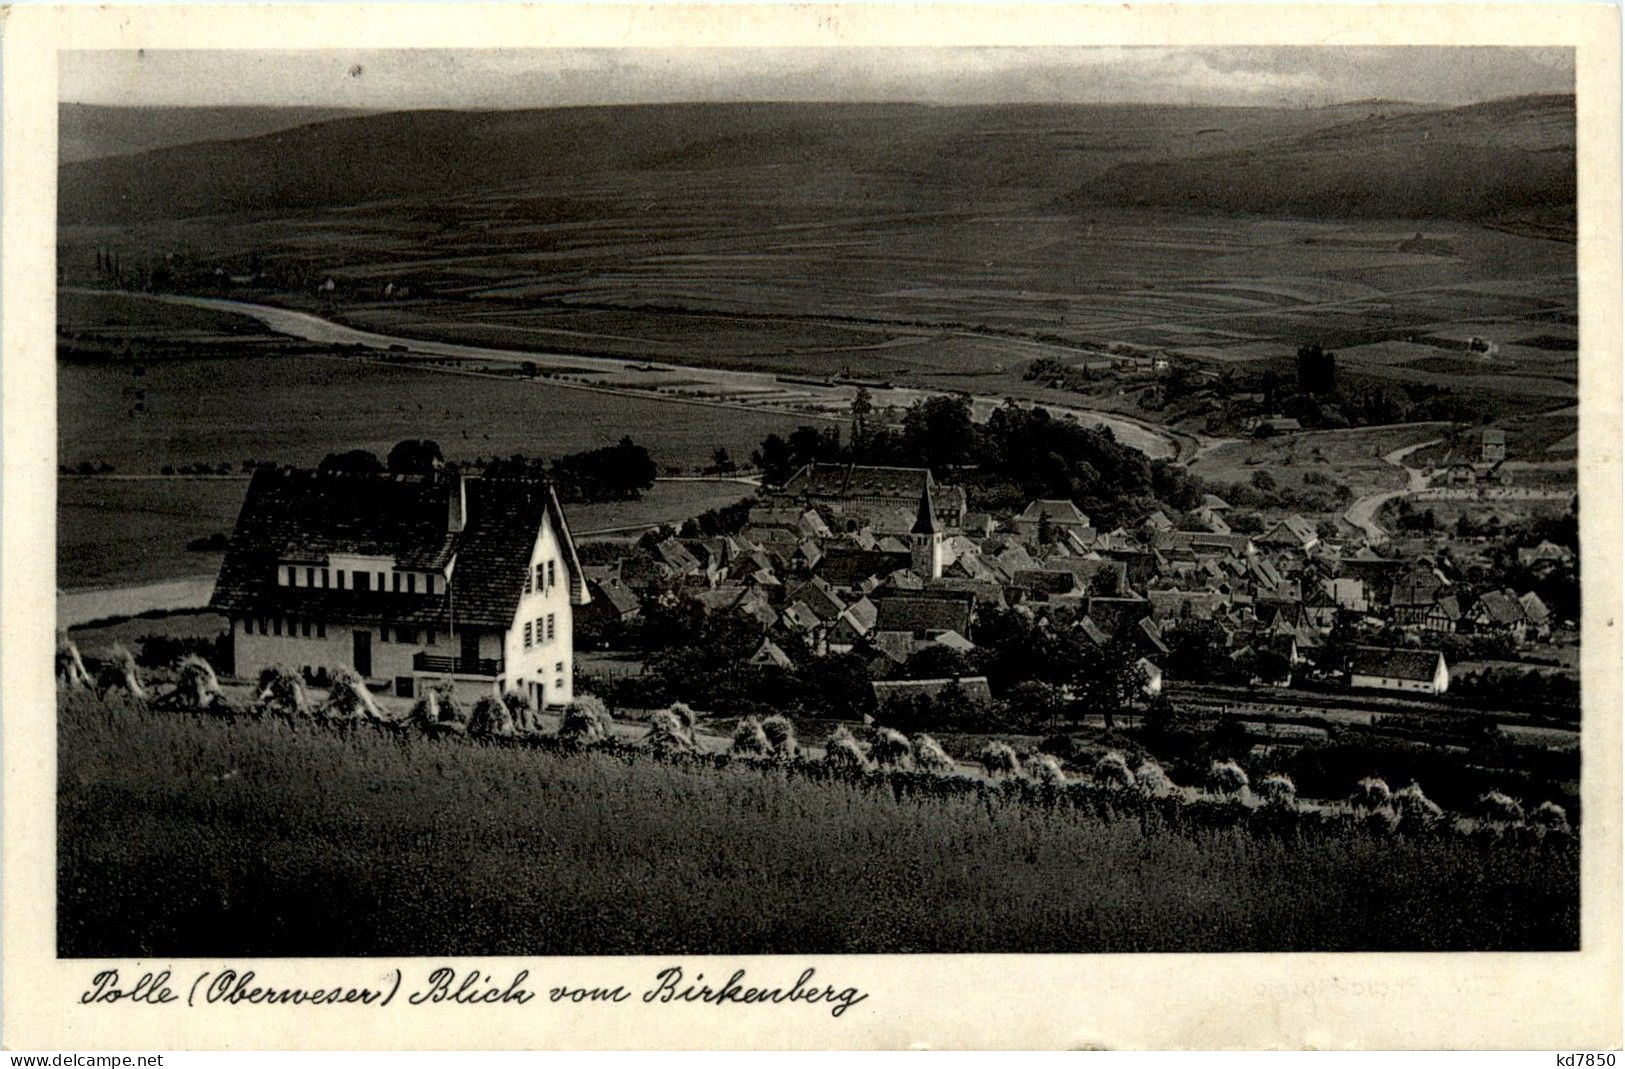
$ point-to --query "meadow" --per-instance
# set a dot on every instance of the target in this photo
(186, 835)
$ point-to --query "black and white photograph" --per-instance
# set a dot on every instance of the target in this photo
(817, 501)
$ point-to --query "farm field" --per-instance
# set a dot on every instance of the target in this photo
(297, 409)
(350, 842)
(938, 246)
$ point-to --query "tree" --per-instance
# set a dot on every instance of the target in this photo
(1317, 371)
(863, 406)
(1108, 682)
(1197, 650)
(774, 460)
(415, 456)
(353, 462)
(721, 462)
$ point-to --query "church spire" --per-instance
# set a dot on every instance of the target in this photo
(925, 521)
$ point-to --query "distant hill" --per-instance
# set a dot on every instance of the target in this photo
(94, 131)
(1376, 157)
(1506, 161)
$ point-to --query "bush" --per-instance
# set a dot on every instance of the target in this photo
(162, 651)
(1063, 746)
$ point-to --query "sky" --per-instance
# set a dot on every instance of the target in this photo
(428, 78)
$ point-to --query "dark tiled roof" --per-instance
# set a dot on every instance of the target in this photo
(304, 516)
(1500, 607)
(1394, 664)
(843, 566)
(923, 611)
(1056, 511)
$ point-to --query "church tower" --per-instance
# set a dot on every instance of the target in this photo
(925, 539)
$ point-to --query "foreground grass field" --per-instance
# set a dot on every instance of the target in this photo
(181, 835)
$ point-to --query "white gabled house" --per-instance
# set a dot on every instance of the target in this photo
(406, 580)
(1423, 671)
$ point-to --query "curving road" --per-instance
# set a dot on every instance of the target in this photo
(1156, 442)
(1363, 513)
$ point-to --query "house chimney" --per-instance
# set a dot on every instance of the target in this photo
(456, 505)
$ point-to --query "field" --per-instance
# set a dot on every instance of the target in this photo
(1354, 457)
(204, 837)
(939, 246)
(297, 409)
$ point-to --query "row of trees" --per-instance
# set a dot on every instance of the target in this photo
(619, 472)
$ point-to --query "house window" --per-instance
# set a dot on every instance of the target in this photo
(264, 625)
(276, 626)
(304, 629)
(321, 629)
(406, 635)
(541, 629)
(412, 583)
(362, 581)
(550, 627)
(430, 640)
(529, 586)
(559, 668)
(383, 633)
(552, 576)
(397, 582)
(403, 686)
(527, 634)
(338, 579)
(538, 577)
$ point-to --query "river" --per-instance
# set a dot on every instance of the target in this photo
(1152, 441)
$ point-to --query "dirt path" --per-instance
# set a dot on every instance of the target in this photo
(1363, 513)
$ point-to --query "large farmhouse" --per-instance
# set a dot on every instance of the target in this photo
(406, 580)
(1423, 671)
